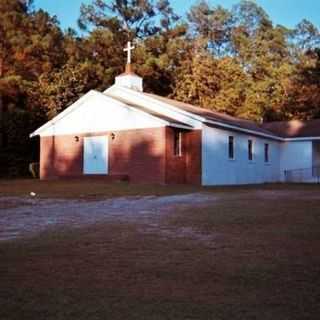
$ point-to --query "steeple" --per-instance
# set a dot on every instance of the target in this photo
(129, 79)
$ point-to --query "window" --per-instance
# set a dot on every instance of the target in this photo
(231, 147)
(177, 143)
(250, 150)
(266, 152)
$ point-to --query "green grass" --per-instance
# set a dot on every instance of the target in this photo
(254, 256)
(85, 188)
(95, 188)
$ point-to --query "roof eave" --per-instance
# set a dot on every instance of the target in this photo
(292, 139)
(180, 126)
(236, 128)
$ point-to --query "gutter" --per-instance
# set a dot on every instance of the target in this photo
(256, 133)
(252, 132)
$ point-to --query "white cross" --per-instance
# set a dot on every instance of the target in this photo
(129, 48)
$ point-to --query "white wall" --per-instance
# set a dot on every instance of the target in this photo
(295, 155)
(316, 154)
(130, 81)
(98, 113)
(217, 169)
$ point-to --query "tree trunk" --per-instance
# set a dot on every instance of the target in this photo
(1, 106)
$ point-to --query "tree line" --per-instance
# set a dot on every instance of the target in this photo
(235, 61)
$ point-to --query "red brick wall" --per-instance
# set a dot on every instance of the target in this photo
(140, 154)
(175, 165)
(194, 157)
(145, 155)
(187, 167)
(137, 153)
(60, 156)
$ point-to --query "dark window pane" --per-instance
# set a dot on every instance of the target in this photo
(177, 143)
(250, 153)
(266, 152)
(231, 147)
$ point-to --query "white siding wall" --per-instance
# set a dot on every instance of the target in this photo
(99, 113)
(217, 169)
(316, 154)
(295, 155)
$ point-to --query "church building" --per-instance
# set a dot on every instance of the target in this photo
(124, 133)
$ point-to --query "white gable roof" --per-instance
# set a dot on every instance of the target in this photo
(138, 98)
(96, 112)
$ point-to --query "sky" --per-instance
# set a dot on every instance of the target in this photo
(286, 12)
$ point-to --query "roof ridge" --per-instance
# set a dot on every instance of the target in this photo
(159, 115)
(215, 115)
(200, 108)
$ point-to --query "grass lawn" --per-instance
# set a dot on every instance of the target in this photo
(85, 188)
(252, 254)
(95, 188)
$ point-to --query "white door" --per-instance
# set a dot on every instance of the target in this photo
(95, 155)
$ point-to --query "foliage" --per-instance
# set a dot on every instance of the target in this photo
(273, 67)
(137, 18)
(63, 87)
(218, 84)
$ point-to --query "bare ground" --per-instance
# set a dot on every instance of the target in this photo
(23, 217)
(249, 253)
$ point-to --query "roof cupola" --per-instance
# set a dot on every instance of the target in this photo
(129, 79)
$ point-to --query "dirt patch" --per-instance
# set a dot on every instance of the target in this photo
(9, 203)
(26, 216)
(21, 217)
